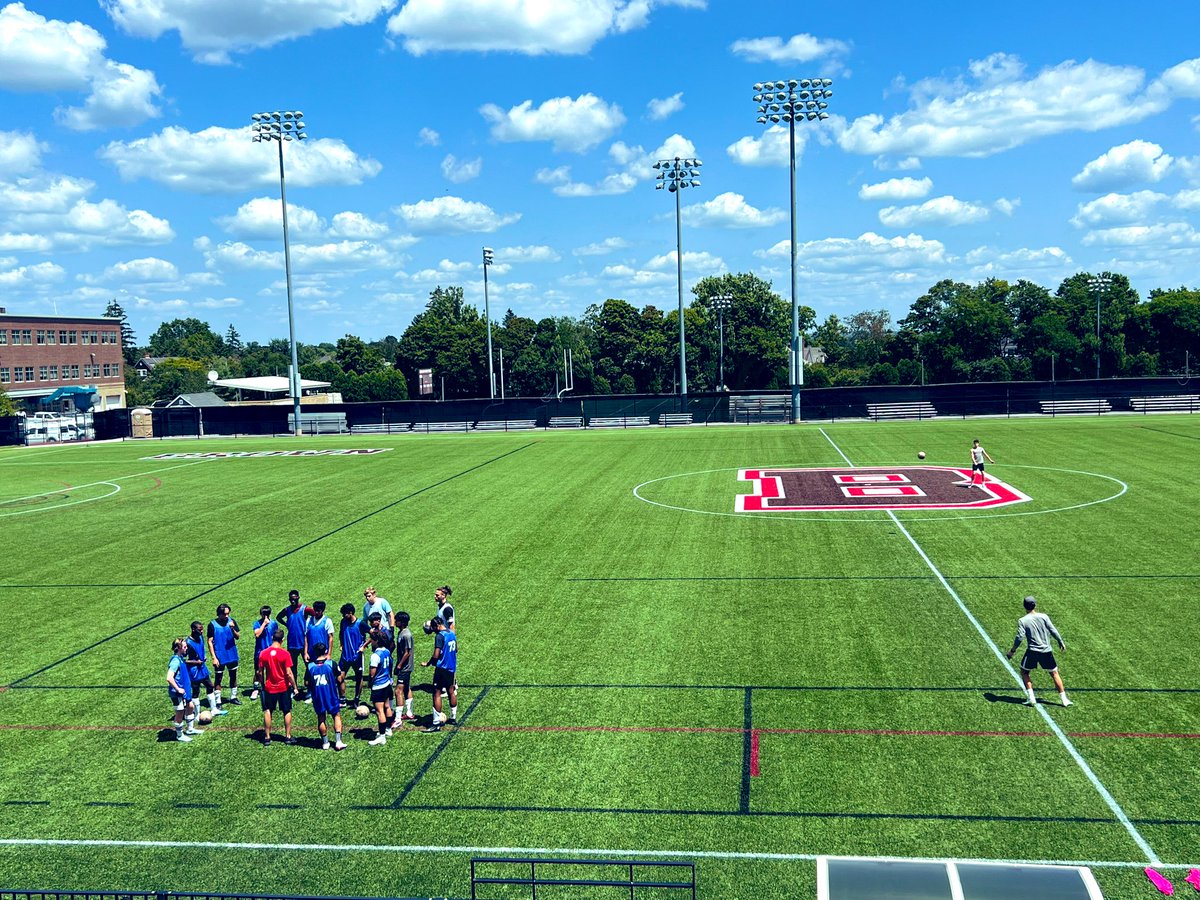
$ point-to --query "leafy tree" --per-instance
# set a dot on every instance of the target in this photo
(355, 356)
(833, 339)
(758, 329)
(450, 338)
(114, 310)
(176, 376)
(868, 335)
(189, 338)
(7, 407)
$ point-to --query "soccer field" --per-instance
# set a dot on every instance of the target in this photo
(645, 670)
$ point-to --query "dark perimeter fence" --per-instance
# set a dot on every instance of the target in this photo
(1090, 397)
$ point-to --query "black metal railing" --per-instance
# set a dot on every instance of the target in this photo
(557, 878)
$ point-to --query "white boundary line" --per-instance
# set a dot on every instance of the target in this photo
(116, 489)
(551, 851)
(1058, 732)
(76, 487)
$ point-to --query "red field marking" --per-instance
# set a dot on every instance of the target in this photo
(754, 770)
(157, 484)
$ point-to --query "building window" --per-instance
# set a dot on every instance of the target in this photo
(62, 336)
(41, 336)
(112, 370)
(3, 337)
(26, 336)
(43, 373)
(18, 374)
(74, 372)
(29, 373)
(54, 373)
(4, 375)
(72, 337)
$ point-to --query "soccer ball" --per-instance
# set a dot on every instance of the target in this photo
(921, 454)
(205, 718)
(428, 626)
(362, 711)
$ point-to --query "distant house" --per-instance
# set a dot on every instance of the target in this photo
(203, 398)
(146, 364)
(812, 355)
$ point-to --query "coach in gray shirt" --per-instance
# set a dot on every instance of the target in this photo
(1036, 629)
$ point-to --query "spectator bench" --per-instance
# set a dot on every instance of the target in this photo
(565, 422)
(1075, 407)
(1172, 403)
(674, 418)
(505, 425)
(382, 428)
(440, 427)
(617, 421)
(916, 410)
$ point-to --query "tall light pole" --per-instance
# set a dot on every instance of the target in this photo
(279, 127)
(721, 302)
(792, 101)
(489, 259)
(675, 175)
(1099, 285)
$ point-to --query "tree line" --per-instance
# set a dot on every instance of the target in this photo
(954, 332)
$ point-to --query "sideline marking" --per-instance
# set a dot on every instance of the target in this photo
(1058, 732)
(116, 489)
(864, 519)
(3, 503)
(549, 851)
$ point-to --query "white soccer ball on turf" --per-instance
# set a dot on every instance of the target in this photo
(205, 718)
(362, 711)
(921, 454)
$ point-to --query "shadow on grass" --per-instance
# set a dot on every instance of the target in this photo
(1003, 698)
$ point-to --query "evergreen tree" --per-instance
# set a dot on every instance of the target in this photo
(114, 310)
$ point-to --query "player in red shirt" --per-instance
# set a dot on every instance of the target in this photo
(279, 683)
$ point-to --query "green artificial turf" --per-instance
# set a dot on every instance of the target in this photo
(627, 644)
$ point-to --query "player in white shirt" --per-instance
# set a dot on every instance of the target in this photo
(978, 455)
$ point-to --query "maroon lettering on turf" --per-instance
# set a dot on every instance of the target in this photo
(871, 488)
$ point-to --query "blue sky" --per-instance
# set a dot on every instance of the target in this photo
(965, 141)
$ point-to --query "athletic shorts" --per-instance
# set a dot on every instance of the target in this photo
(281, 701)
(200, 674)
(381, 695)
(347, 664)
(443, 678)
(296, 653)
(178, 701)
(322, 711)
(977, 467)
(231, 666)
(403, 679)
(1034, 658)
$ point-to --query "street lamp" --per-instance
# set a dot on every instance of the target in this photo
(279, 127)
(675, 175)
(721, 303)
(489, 259)
(792, 101)
(1099, 285)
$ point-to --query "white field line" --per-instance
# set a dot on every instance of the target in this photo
(551, 851)
(77, 487)
(1049, 720)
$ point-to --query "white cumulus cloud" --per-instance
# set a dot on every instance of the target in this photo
(634, 164)
(1165, 235)
(27, 276)
(570, 124)
(799, 48)
(534, 253)
(602, 248)
(262, 217)
(1117, 209)
(459, 170)
(532, 27)
(226, 160)
(946, 210)
(730, 210)
(772, 149)
(657, 110)
(20, 152)
(355, 225)
(446, 215)
(868, 252)
(212, 29)
(1138, 162)
(897, 189)
(40, 54)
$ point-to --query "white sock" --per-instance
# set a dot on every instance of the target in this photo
(408, 707)
(233, 693)
(1032, 696)
(214, 700)
(178, 729)
(338, 736)
(1062, 696)
(454, 712)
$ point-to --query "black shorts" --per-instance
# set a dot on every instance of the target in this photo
(381, 695)
(977, 467)
(403, 679)
(443, 678)
(281, 701)
(1034, 658)
(346, 665)
(220, 668)
(296, 654)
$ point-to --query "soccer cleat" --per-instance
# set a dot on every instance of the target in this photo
(325, 745)
(1067, 703)
(1029, 702)
(432, 729)
(388, 732)
(407, 717)
(452, 721)
(267, 742)
(378, 741)
(234, 701)
(290, 741)
(339, 746)
(220, 712)
(254, 695)
(183, 738)
(194, 731)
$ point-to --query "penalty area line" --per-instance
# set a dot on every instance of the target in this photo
(547, 851)
(1108, 798)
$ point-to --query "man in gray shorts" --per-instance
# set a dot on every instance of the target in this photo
(1036, 629)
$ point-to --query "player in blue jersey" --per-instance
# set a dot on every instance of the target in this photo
(318, 629)
(264, 630)
(380, 674)
(325, 700)
(179, 688)
(223, 634)
(445, 663)
(292, 618)
(197, 660)
(351, 640)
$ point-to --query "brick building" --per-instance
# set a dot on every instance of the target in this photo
(40, 354)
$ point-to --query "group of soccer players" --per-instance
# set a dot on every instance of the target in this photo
(376, 647)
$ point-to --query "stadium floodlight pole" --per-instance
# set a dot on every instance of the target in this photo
(675, 175)
(489, 259)
(1099, 285)
(792, 101)
(721, 303)
(279, 127)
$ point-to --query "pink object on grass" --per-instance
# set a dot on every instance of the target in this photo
(1159, 882)
(1193, 878)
